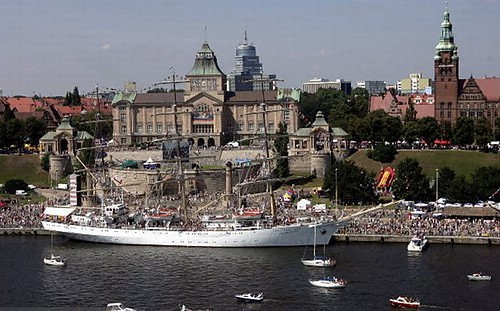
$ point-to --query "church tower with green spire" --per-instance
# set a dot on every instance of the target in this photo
(446, 81)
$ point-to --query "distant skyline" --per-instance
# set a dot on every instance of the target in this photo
(48, 47)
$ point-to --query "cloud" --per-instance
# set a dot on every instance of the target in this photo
(106, 46)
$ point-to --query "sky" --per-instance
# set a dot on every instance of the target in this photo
(48, 47)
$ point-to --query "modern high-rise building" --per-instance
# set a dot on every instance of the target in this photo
(415, 83)
(373, 87)
(248, 73)
(321, 83)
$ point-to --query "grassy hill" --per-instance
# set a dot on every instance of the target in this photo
(25, 167)
(461, 161)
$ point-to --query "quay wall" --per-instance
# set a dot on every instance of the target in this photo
(336, 238)
(380, 238)
(24, 231)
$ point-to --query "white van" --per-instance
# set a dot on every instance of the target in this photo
(21, 192)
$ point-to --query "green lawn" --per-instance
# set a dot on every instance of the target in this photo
(462, 162)
(25, 167)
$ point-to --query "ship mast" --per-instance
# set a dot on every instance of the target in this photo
(269, 186)
(177, 138)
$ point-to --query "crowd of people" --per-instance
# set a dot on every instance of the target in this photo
(21, 216)
(390, 222)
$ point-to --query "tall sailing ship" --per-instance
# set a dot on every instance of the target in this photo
(237, 223)
(253, 223)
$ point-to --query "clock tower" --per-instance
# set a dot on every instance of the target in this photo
(446, 81)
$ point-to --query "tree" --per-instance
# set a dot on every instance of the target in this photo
(446, 130)
(496, 129)
(461, 190)
(410, 132)
(376, 124)
(360, 102)
(482, 132)
(14, 133)
(15, 184)
(354, 184)
(45, 162)
(463, 132)
(445, 179)
(34, 130)
(428, 129)
(383, 153)
(410, 183)
(281, 149)
(393, 129)
(485, 182)
(73, 98)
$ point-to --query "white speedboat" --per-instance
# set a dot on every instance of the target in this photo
(54, 261)
(404, 302)
(329, 282)
(417, 244)
(118, 306)
(249, 297)
(479, 277)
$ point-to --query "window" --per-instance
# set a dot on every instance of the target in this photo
(139, 128)
(271, 127)
(240, 126)
(159, 127)
(123, 117)
(123, 129)
(250, 126)
(149, 127)
(123, 141)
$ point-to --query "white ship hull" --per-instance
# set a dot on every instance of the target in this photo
(291, 235)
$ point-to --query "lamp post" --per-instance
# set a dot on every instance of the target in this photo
(336, 190)
(437, 188)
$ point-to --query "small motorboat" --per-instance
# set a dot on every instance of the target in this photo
(329, 282)
(249, 297)
(54, 261)
(404, 302)
(417, 244)
(118, 306)
(479, 277)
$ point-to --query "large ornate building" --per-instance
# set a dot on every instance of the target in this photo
(454, 97)
(205, 112)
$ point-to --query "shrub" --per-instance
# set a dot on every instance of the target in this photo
(15, 184)
(384, 153)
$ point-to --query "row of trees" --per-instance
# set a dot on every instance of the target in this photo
(18, 132)
(351, 112)
(15, 133)
(354, 185)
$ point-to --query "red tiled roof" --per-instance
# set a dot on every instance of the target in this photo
(384, 103)
(23, 104)
(490, 88)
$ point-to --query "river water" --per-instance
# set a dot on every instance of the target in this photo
(162, 278)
